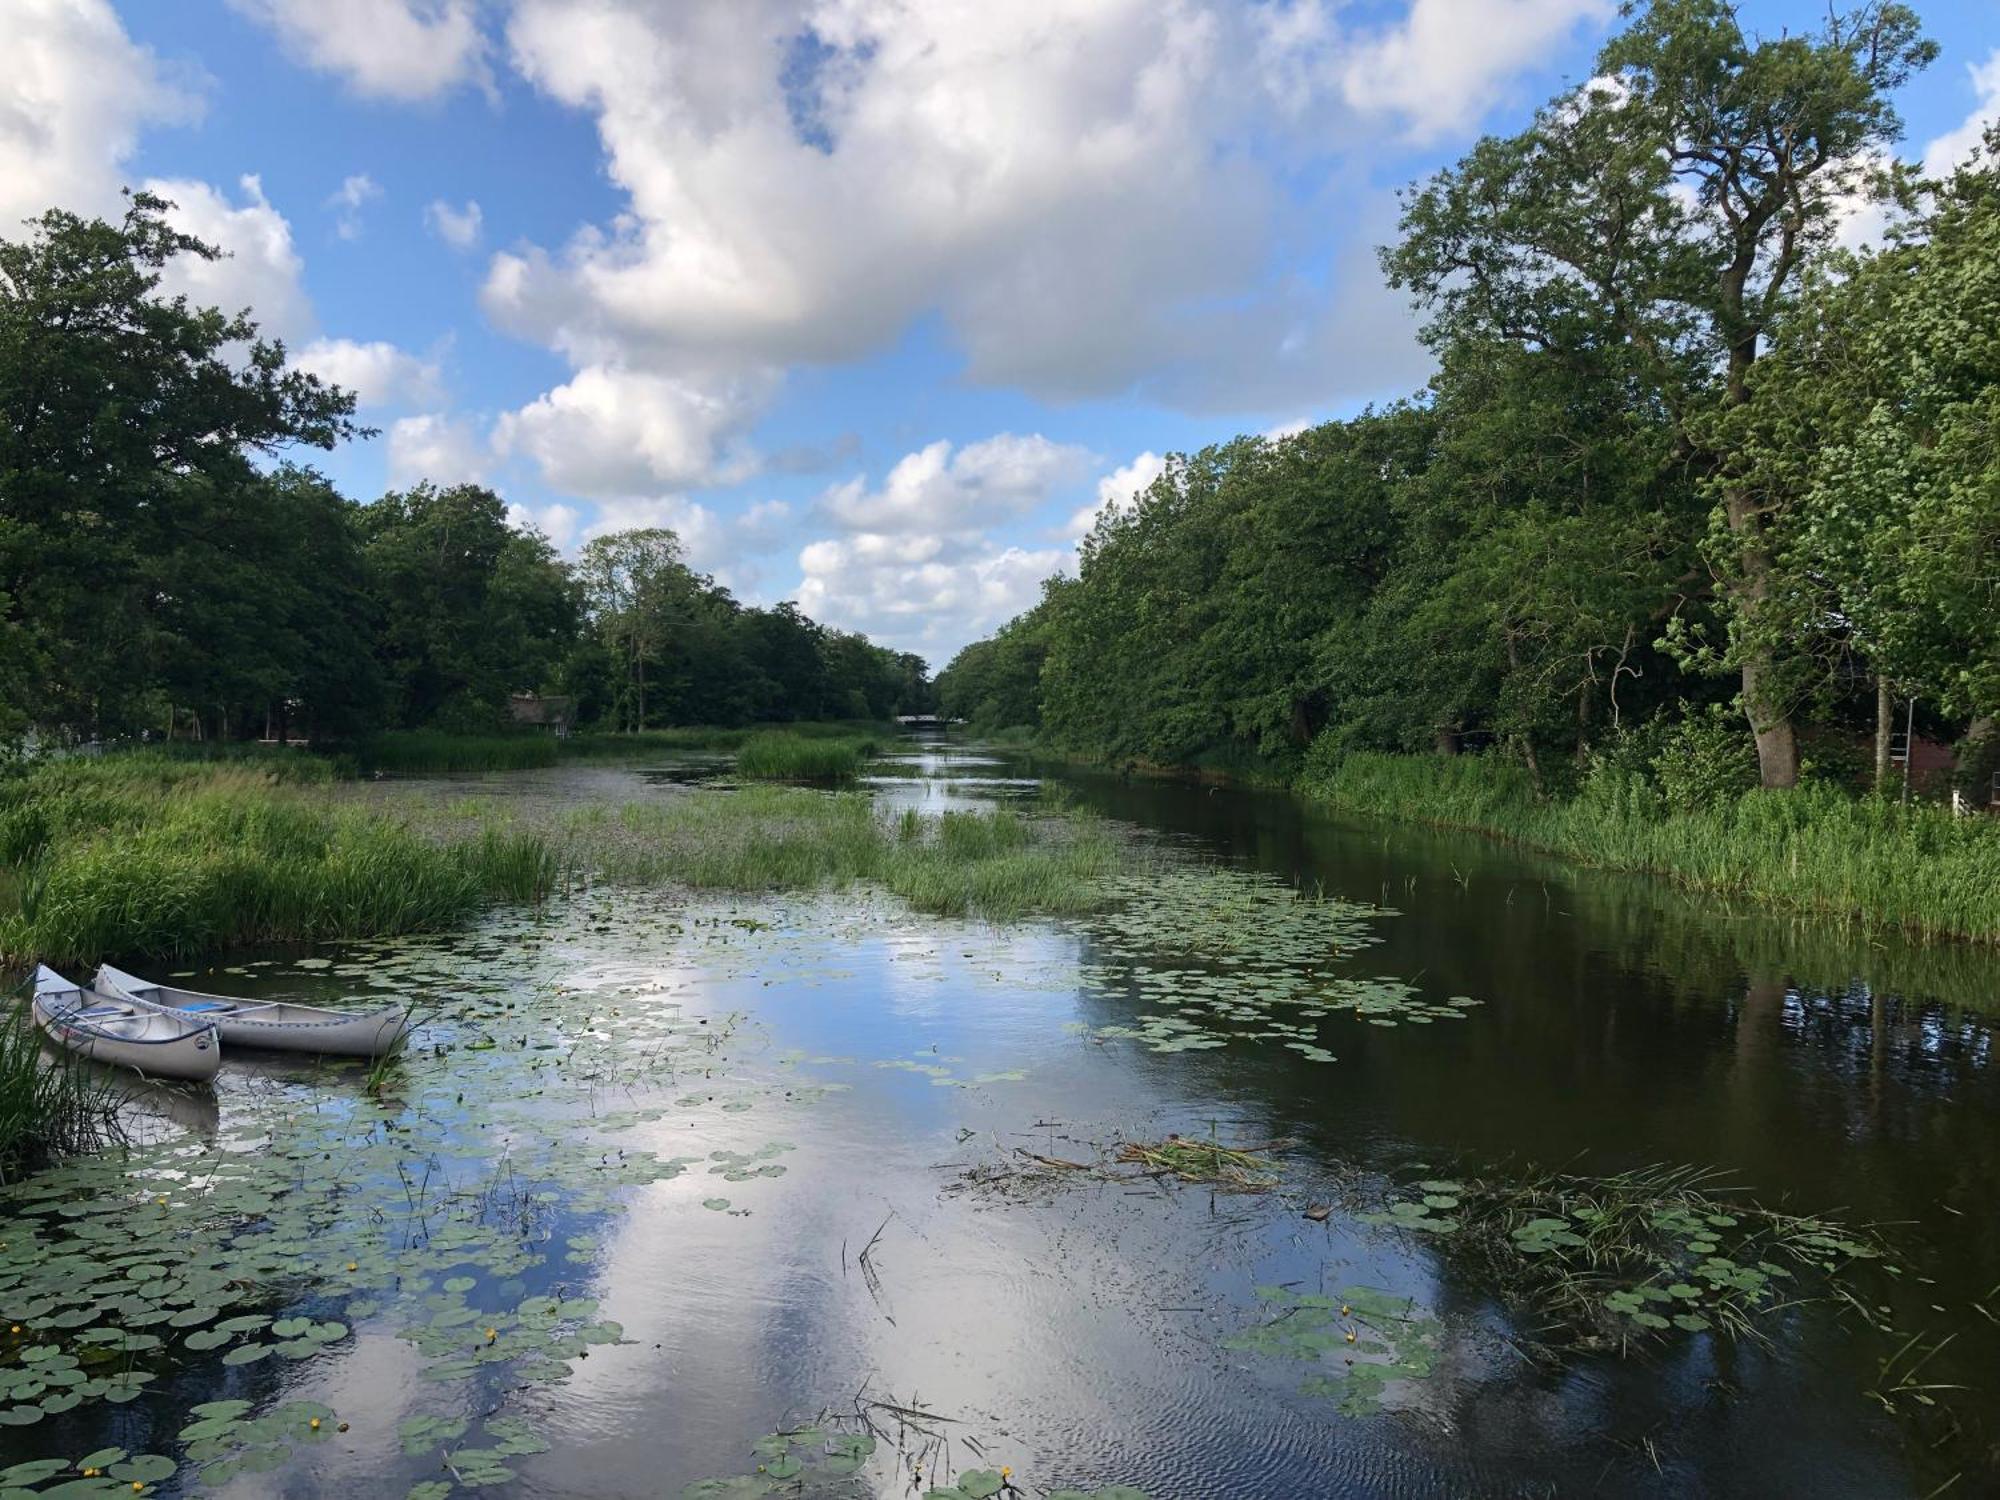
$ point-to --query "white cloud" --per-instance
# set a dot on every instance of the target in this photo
(1947, 151)
(437, 447)
(936, 489)
(1447, 62)
(920, 593)
(260, 269)
(556, 521)
(1118, 490)
(392, 49)
(612, 431)
(380, 373)
(457, 227)
(347, 201)
(74, 95)
(1086, 190)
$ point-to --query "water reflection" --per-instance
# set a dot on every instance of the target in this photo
(1079, 1332)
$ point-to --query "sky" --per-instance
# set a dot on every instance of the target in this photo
(874, 302)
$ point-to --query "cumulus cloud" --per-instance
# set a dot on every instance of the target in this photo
(390, 49)
(937, 489)
(347, 201)
(918, 593)
(1947, 151)
(74, 95)
(379, 372)
(457, 227)
(1118, 490)
(1078, 188)
(437, 447)
(1447, 62)
(555, 521)
(260, 268)
(612, 431)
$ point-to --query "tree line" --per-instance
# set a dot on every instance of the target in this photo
(163, 569)
(1687, 464)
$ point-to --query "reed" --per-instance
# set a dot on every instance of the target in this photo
(124, 861)
(996, 865)
(426, 752)
(1872, 862)
(785, 755)
(52, 1104)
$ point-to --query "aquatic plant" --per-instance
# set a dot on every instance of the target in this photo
(1873, 862)
(1623, 1257)
(1231, 955)
(1362, 1340)
(783, 755)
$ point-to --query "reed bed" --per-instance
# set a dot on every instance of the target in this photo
(1876, 863)
(995, 864)
(133, 858)
(425, 752)
(719, 739)
(784, 755)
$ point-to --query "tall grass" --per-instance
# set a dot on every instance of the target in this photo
(1813, 849)
(117, 858)
(991, 864)
(52, 1103)
(606, 745)
(416, 752)
(783, 755)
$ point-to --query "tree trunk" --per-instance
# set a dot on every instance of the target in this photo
(1777, 745)
(1447, 741)
(1884, 731)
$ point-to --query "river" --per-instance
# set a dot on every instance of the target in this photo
(762, 1195)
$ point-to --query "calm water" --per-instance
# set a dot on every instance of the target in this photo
(563, 1212)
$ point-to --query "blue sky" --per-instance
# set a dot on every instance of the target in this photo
(872, 300)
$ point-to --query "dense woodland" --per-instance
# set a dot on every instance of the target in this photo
(164, 570)
(1693, 484)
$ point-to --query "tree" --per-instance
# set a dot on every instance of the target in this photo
(1664, 214)
(1870, 449)
(470, 608)
(122, 414)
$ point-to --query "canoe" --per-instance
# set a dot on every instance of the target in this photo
(114, 1029)
(277, 1024)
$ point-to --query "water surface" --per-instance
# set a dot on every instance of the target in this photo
(663, 1175)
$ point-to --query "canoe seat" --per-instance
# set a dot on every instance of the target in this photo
(203, 1005)
(101, 1012)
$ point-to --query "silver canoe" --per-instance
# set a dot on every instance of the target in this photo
(277, 1024)
(115, 1029)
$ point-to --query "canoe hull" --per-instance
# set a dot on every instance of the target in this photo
(193, 1057)
(356, 1036)
(272, 1026)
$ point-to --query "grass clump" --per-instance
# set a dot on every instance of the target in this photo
(1813, 848)
(428, 752)
(132, 857)
(784, 755)
(52, 1104)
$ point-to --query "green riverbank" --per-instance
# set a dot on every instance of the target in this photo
(1880, 864)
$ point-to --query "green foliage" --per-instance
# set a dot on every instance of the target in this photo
(51, 1105)
(1704, 759)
